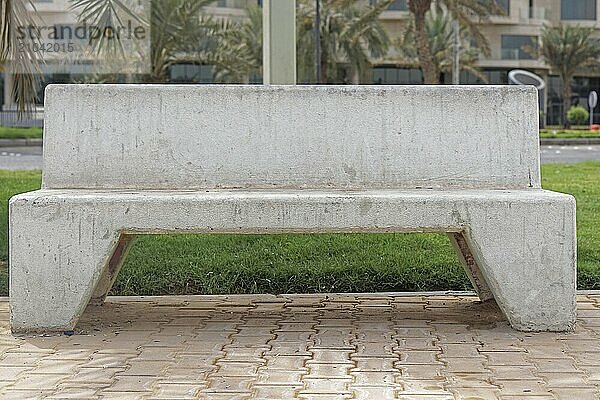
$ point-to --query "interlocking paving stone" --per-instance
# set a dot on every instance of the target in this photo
(327, 346)
(373, 364)
(275, 392)
(168, 390)
(74, 393)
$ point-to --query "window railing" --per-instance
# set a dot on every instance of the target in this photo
(515, 54)
(397, 5)
(538, 13)
(15, 119)
(233, 3)
(509, 54)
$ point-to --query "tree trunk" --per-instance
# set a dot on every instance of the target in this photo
(566, 92)
(419, 8)
(323, 79)
(355, 76)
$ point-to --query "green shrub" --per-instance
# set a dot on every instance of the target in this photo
(578, 115)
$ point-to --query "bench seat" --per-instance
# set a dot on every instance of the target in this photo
(523, 231)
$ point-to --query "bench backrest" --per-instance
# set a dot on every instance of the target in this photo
(354, 137)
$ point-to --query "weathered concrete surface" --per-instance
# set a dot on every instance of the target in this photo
(306, 159)
(523, 241)
(290, 136)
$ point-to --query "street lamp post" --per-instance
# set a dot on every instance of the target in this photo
(279, 42)
(318, 41)
(456, 54)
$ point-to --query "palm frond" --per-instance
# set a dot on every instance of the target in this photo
(104, 15)
(18, 55)
(239, 52)
(567, 48)
(438, 26)
(351, 34)
(471, 14)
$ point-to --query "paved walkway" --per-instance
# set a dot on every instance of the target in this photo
(368, 346)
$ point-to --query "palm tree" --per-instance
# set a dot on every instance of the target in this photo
(17, 54)
(180, 32)
(239, 52)
(566, 49)
(438, 25)
(103, 14)
(469, 13)
(350, 33)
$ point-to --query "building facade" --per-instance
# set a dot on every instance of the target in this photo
(521, 25)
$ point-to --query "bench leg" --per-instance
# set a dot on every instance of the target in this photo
(526, 254)
(459, 242)
(58, 253)
(109, 275)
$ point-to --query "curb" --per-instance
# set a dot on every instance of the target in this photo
(568, 142)
(20, 142)
(188, 297)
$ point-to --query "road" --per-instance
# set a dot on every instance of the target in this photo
(27, 157)
(569, 154)
(31, 157)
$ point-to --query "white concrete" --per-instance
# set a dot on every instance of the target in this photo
(194, 137)
(337, 165)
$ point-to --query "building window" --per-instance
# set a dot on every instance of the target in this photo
(191, 73)
(494, 77)
(232, 3)
(397, 5)
(578, 9)
(505, 5)
(397, 76)
(497, 76)
(513, 47)
(580, 89)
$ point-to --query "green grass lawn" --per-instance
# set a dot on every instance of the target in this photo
(560, 133)
(219, 263)
(583, 182)
(20, 133)
(34, 133)
(11, 182)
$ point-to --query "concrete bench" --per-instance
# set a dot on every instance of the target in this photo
(127, 160)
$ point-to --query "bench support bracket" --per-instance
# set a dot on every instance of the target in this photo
(471, 268)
